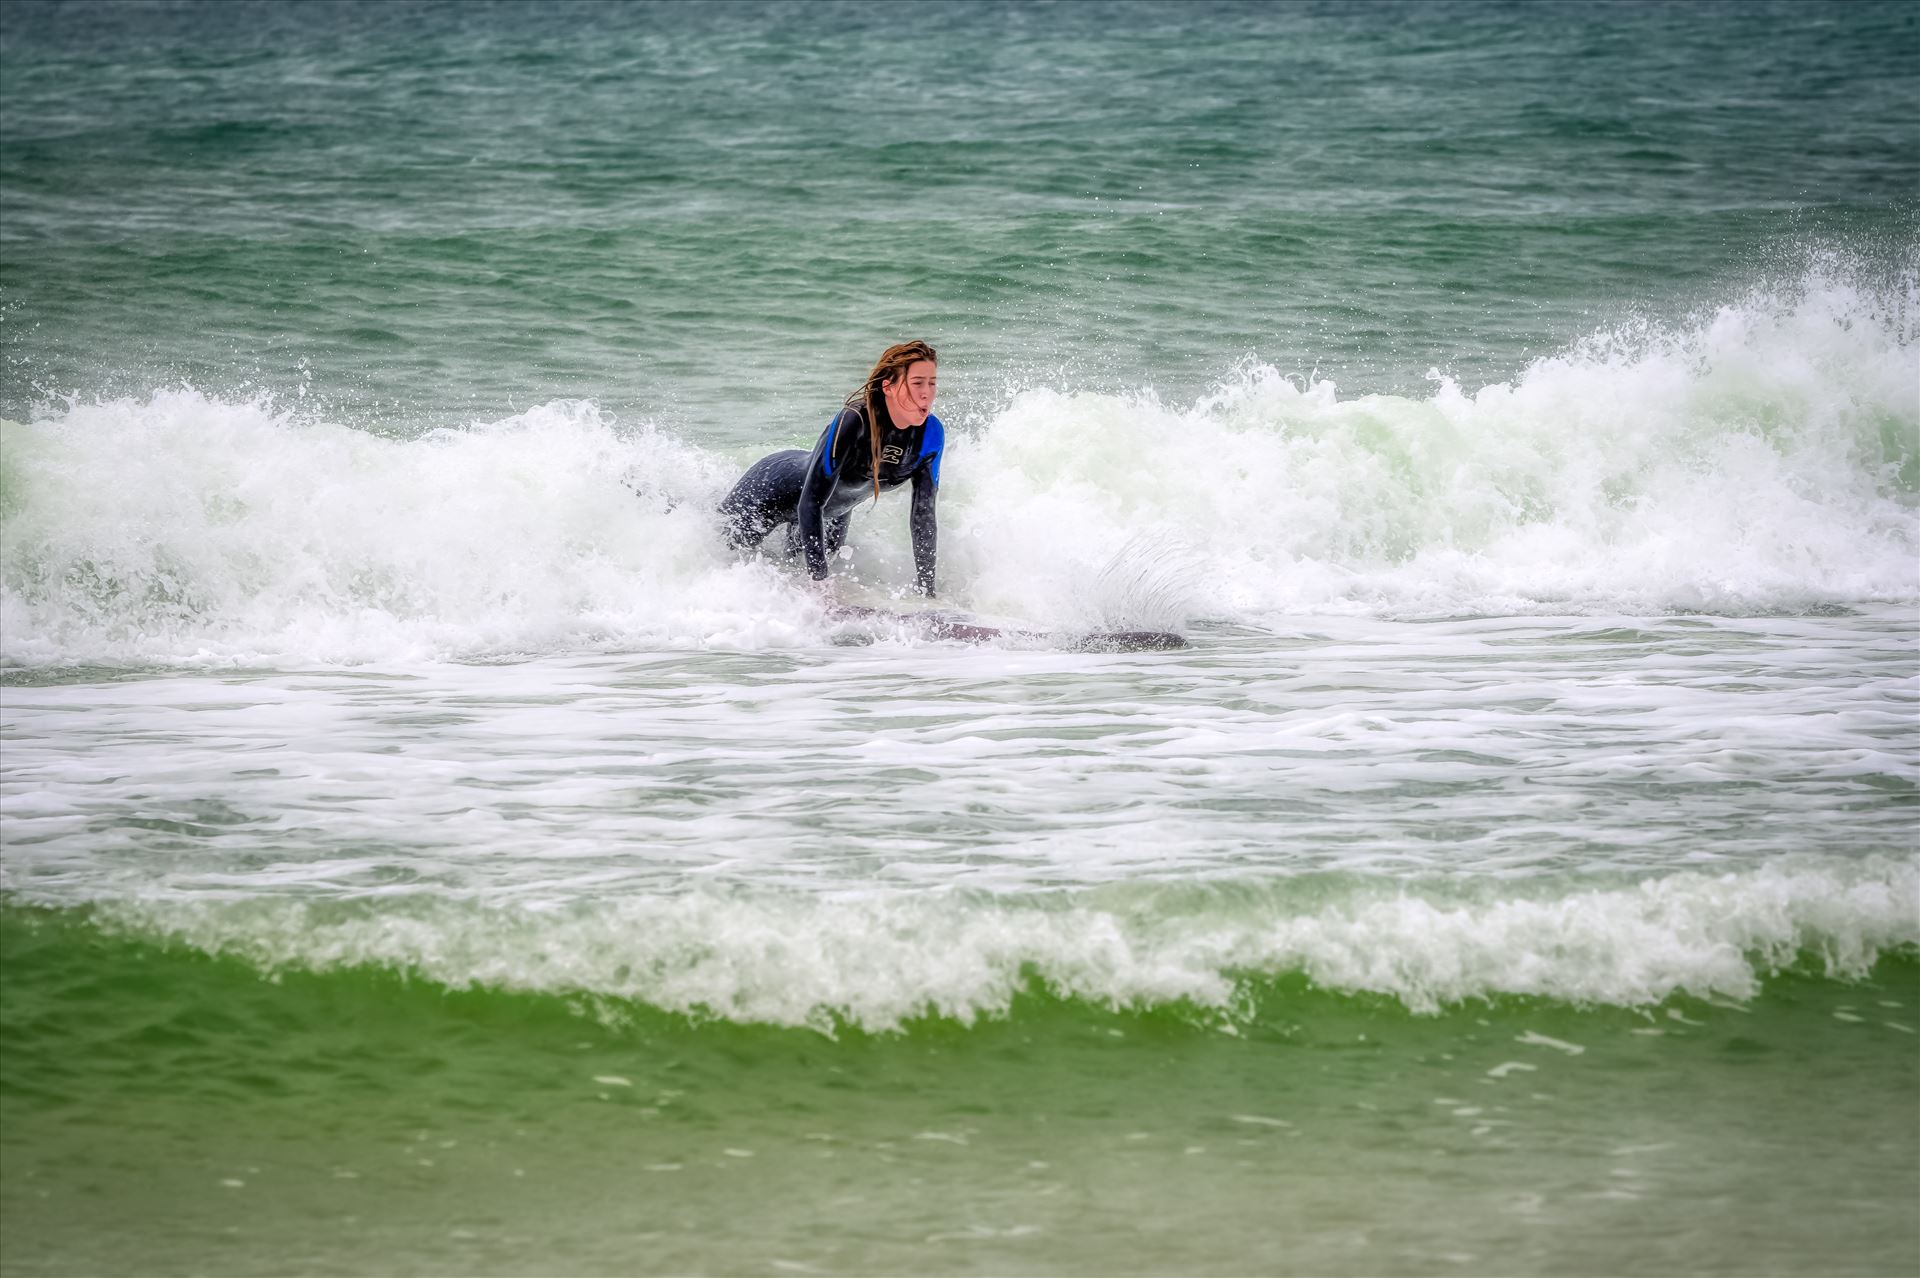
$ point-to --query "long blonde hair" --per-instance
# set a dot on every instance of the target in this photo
(894, 363)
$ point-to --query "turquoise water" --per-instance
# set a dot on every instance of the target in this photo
(424, 848)
(424, 216)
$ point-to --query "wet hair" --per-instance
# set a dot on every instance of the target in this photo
(892, 365)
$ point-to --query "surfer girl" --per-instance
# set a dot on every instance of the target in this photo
(884, 436)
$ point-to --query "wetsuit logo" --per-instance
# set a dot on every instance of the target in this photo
(892, 453)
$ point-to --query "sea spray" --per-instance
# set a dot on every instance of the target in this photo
(186, 528)
(1760, 459)
(1763, 457)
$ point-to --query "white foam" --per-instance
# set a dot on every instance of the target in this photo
(1762, 457)
(878, 960)
(187, 528)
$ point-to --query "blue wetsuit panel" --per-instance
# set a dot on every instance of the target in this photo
(826, 454)
(932, 444)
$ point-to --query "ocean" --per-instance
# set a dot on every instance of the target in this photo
(425, 848)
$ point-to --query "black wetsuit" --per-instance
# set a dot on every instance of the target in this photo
(814, 493)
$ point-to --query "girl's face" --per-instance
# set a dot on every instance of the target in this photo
(910, 395)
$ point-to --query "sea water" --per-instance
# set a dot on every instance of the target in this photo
(426, 849)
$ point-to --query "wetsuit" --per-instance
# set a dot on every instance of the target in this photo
(814, 493)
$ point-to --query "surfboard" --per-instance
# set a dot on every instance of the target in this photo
(965, 629)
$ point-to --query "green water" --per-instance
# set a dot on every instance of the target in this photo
(168, 1113)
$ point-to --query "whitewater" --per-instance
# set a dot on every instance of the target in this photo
(1760, 458)
(1464, 672)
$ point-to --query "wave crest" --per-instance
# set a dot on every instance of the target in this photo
(879, 962)
(1761, 458)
